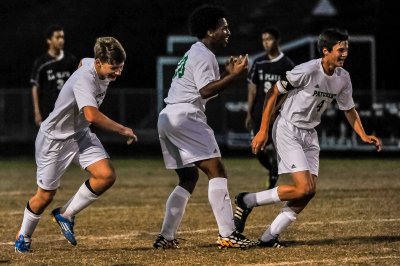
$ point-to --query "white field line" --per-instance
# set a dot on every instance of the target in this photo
(135, 233)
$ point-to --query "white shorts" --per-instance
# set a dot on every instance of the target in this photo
(297, 149)
(54, 156)
(185, 136)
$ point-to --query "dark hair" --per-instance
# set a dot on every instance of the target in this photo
(51, 29)
(109, 50)
(204, 18)
(273, 31)
(329, 37)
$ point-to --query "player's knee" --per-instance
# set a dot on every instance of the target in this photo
(107, 176)
(189, 183)
(47, 197)
(306, 192)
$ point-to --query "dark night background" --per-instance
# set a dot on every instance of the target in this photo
(143, 26)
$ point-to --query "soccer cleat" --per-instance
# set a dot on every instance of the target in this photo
(273, 243)
(241, 212)
(235, 240)
(23, 244)
(66, 226)
(163, 243)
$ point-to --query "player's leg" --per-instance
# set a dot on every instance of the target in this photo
(287, 215)
(32, 213)
(176, 205)
(221, 205)
(92, 157)
(51, 164)
(218, 194)
(101, 179)
(303, 187)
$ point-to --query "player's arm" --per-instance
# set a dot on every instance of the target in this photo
(260, 140)
(251, 96)
(98, 119)
(36, 109)
(236, 68)
(355, 121)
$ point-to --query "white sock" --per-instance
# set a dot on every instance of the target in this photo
(82, 199)
(267, 197)
(29, 223)
(285, 218)
(221, 205)
(174, 211)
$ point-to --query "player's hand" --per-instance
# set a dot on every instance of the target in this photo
(131, 137)
(371, 139)
(259, 142)
(238, 66)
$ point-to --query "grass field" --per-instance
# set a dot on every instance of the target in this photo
(354, 218)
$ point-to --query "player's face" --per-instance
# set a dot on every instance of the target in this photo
(222, 33)
(109, 71)
(57, 40)
(338, 54)
(268, 41)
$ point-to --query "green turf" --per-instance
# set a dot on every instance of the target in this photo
(353, 220)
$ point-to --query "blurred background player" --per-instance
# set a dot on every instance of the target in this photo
(311, 87)
(187, 141)
(65, 137)
(267, 69)
(50, 71)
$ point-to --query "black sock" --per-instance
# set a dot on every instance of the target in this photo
(29, 209)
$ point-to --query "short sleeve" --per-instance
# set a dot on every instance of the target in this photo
(203, 72)
(84, 93)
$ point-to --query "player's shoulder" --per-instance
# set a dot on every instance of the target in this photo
(260, 59)
(43, 58)
(308, 67)
(198, 51)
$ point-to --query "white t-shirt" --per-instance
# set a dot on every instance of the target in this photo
(83, 88)
(313, 91)
(195, 70)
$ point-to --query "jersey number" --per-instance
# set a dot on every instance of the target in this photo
(180, 69)
(320, 105)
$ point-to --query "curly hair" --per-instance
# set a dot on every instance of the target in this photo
(273, 31)
(204, 18)
(110, 50)
(329, 37)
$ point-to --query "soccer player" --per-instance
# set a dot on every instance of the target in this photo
(310, 87)
(50, 72)
(187, 141)
(267, 69)
(65, 137)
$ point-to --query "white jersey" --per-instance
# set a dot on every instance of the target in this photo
(310, 92)
(83, 88)
(195, 70)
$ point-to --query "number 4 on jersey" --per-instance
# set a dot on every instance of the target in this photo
(320, 105)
